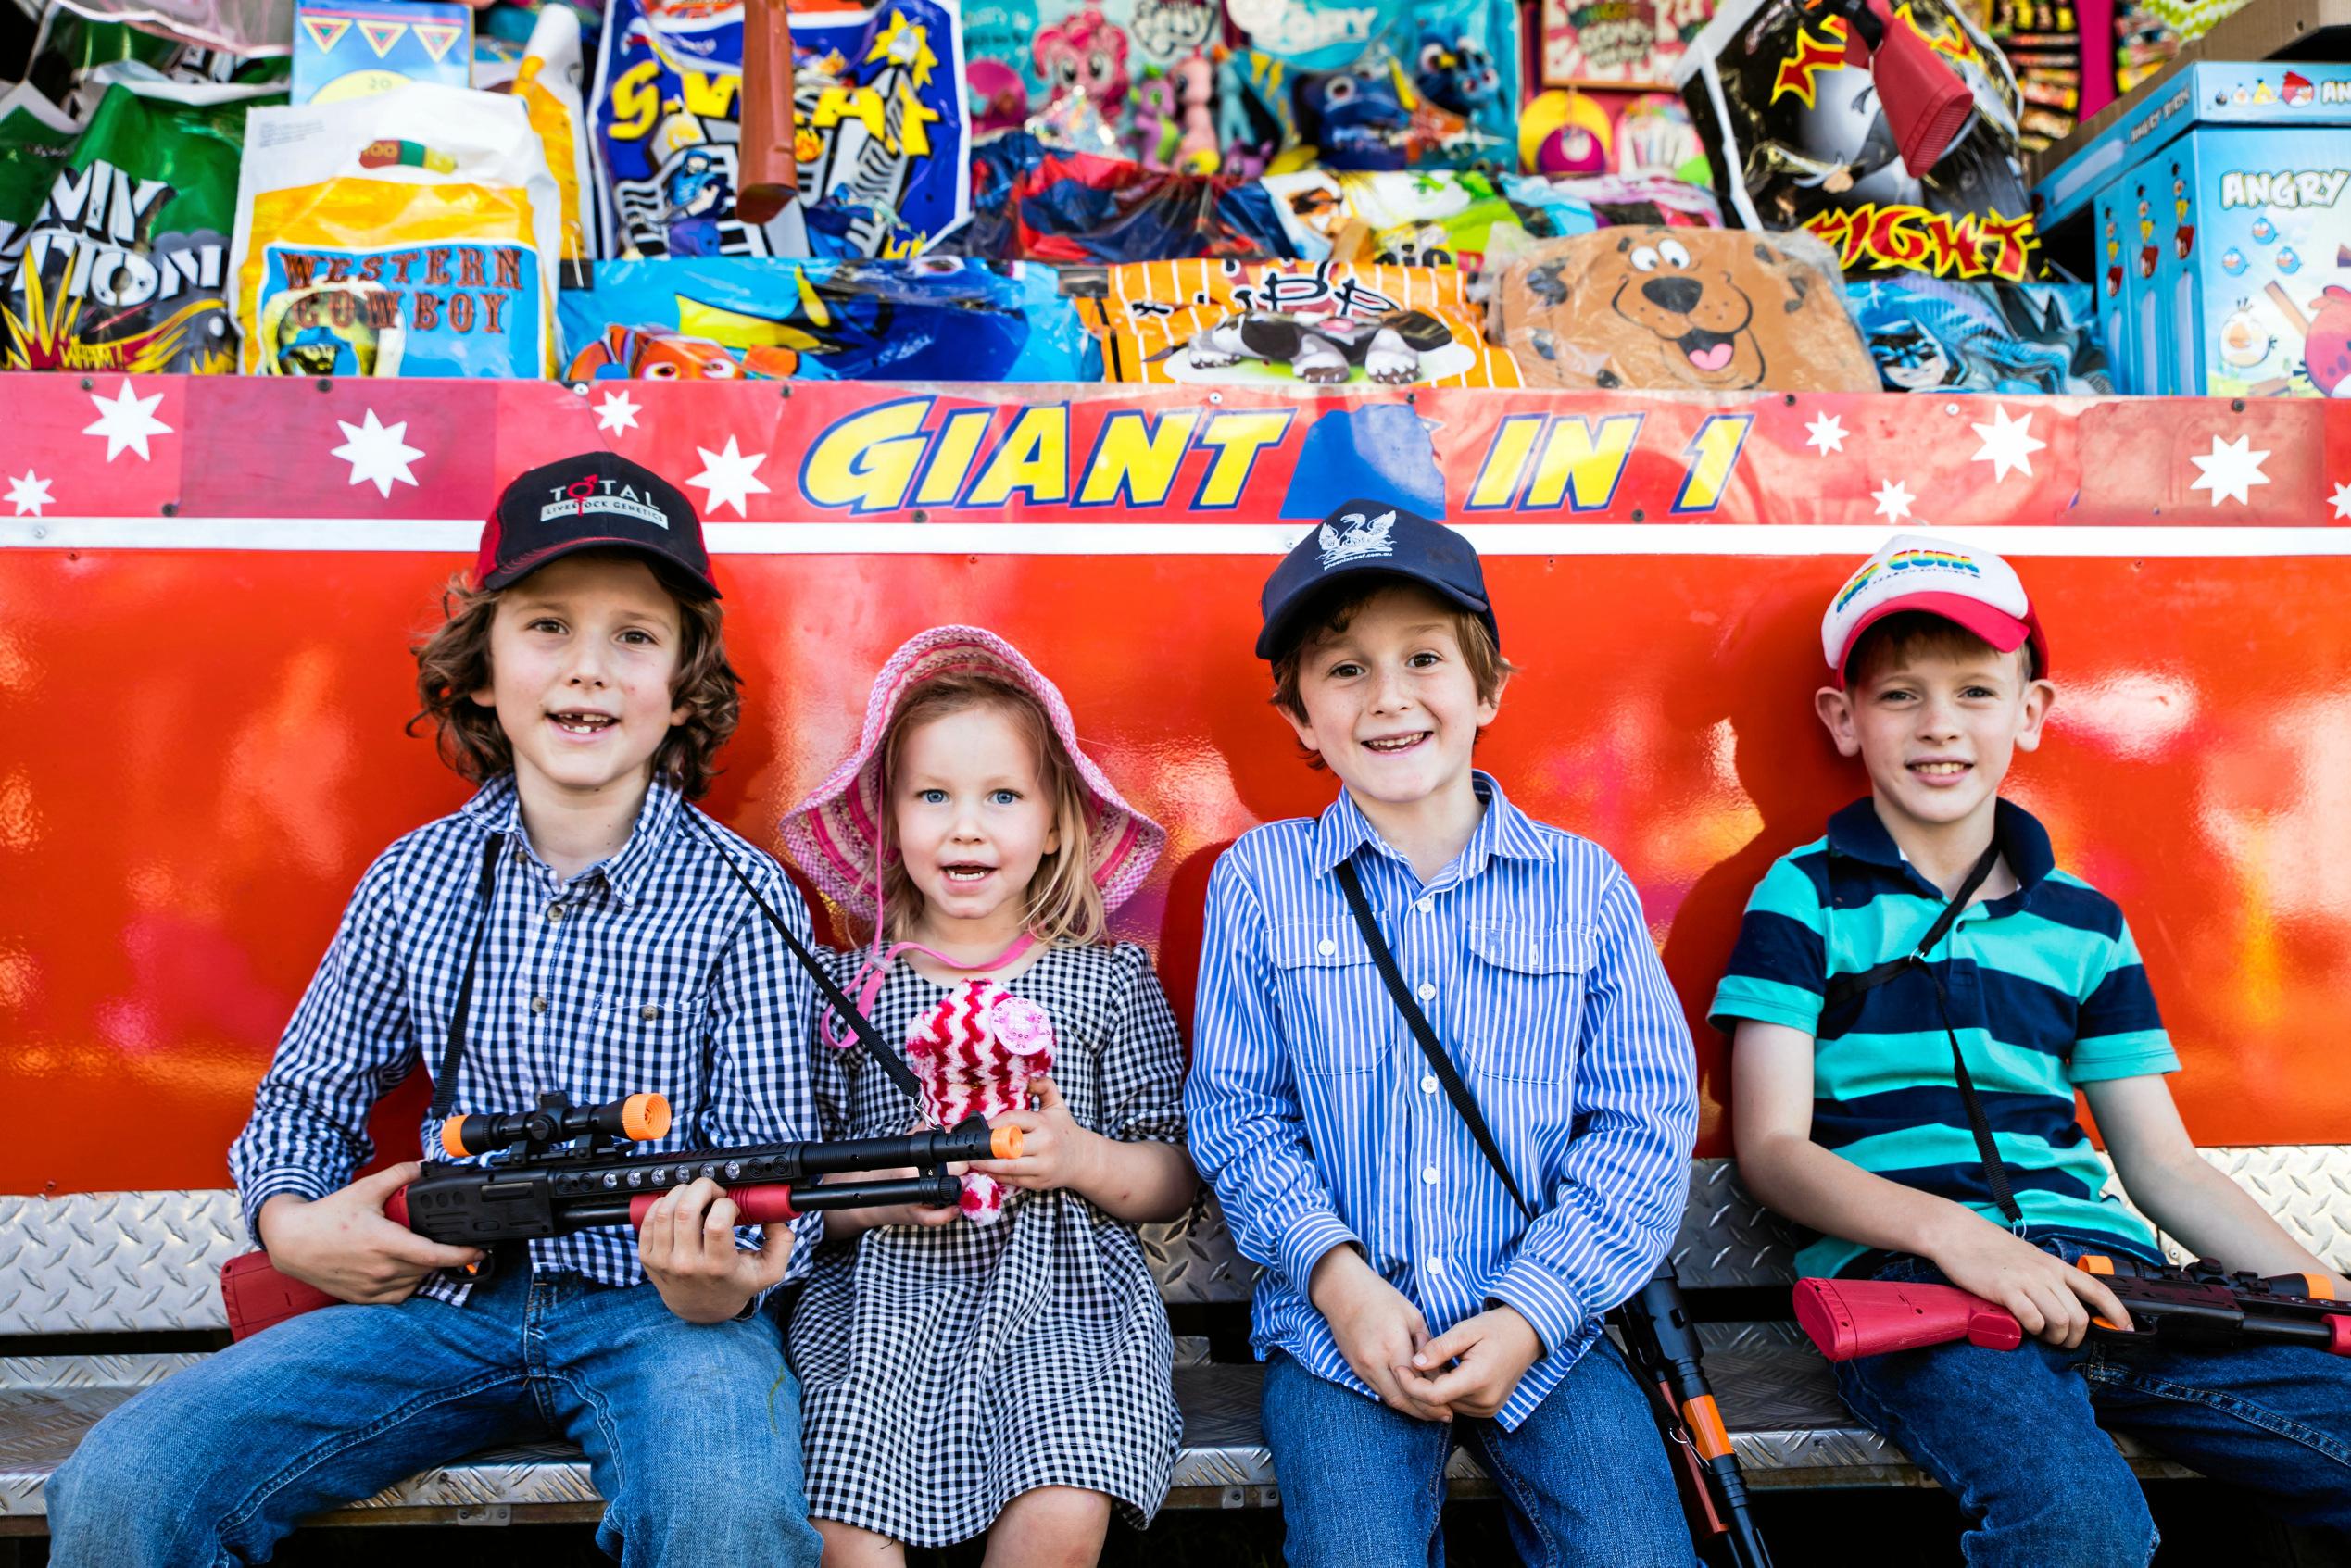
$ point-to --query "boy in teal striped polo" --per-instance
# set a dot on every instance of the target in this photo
(1921, 1119)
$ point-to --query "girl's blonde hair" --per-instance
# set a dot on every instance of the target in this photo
(1063, 904)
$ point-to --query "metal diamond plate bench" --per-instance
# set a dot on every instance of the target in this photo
(131, 1264)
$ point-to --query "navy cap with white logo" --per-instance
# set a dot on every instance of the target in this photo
(1365, 536)
(596, 501)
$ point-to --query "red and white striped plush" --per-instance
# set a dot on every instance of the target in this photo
(976, 1054)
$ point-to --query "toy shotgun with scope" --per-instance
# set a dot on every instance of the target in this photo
(2200, 1306)
(564, 1168)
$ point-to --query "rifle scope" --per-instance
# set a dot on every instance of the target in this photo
(638, 1118)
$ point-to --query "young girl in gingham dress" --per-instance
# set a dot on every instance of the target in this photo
(1003, 1367)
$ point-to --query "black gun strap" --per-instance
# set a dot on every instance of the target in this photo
(869, 1036)
(1844, 988)
(1447, 1074)
(445, 1081)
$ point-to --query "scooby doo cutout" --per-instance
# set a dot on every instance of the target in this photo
(1681, 310)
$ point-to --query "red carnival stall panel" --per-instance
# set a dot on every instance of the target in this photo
(210, 586)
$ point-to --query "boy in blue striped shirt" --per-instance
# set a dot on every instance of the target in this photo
(1933, 1137)
(1419, 1290)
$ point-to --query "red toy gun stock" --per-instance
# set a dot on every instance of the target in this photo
(558, 1168)
(2201, 1304)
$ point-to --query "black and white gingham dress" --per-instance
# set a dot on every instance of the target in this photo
(944, 1372)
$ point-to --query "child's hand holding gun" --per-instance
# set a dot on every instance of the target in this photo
(2049, 1298)
(345, 1245)
(687, 1247)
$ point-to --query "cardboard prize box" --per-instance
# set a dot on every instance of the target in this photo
(2221, 182)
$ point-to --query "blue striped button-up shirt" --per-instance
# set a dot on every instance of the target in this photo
(650, 971)
(1320, 1124)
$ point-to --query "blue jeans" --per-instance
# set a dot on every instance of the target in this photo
(692, 1432)
(1584, 1478)
(2020, 1436)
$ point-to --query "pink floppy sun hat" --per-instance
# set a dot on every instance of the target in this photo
(831, 836)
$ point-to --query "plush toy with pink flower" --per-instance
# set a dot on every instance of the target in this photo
(976, 1054)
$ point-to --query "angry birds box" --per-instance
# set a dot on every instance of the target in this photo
(2221, 207)
(2254, 276)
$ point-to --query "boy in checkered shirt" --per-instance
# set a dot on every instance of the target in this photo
(587, 911)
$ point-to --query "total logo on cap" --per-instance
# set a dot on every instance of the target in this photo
(598, 500)
(1971, 587)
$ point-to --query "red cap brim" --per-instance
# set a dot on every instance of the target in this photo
(2002, 631)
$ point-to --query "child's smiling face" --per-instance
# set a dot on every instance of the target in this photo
(1936, 728)
(583, 655)
(973, 819)
(1392, 705)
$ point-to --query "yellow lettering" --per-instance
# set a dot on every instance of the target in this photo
(635, 102)
(710, 97)
(1712, 454)
(1033, 457)
(1236, 437)
(1582, 465)
(951, 454)
(1505, 463)
(914, 123)
(866, 462)
(865, 105)
(1138, 457)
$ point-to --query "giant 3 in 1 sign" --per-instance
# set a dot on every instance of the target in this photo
(208, 585)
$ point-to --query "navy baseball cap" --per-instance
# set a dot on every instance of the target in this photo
(1372, 536)
(596, 501)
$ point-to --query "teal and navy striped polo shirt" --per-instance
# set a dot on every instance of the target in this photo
(2046, 991)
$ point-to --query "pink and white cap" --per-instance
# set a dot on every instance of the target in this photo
(1960, 583)
(831, 835)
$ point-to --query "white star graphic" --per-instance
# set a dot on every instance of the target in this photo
(127, 422)
(1893, 500)
(1827, 433)
(29, 493)
(732, 477)
(2231, 471)
(2342, 499)
(617, 412)
(2007, 444)
(378, 454)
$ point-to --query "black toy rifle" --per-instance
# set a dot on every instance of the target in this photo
(1663, 1347)
(563, 1167)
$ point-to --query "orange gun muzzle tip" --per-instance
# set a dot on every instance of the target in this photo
(2095, 1264)
(645, 1116)
(1005, 1143)
(452, 1138)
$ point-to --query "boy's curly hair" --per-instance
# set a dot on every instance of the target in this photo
(453, 663)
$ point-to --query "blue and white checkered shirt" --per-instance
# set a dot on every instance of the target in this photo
(650, 971)
(1318, 1121)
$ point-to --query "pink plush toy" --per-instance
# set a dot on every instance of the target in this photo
(976, 1053)
(1196, 82)
(1084, 54)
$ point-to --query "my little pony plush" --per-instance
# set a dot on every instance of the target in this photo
(1084, 54)
(976, 1053)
